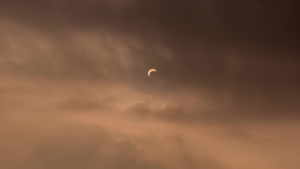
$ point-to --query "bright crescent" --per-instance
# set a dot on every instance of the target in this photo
(150, 71)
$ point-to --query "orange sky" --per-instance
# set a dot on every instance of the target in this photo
(74, 90)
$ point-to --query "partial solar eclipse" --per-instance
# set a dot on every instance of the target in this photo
(150, 71)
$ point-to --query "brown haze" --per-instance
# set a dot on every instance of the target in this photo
(74, 90)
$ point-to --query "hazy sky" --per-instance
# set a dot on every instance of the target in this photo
(74, 90)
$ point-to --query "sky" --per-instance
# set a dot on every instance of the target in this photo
(74, 90)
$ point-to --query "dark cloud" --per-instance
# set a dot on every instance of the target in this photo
(247, 50)
(190, 22)
(230, 64)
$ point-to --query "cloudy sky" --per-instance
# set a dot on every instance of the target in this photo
(74, 90)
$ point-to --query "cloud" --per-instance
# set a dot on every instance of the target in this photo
(62, 145)
(227, 79)
(224, 48)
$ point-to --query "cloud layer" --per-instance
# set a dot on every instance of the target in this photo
(74, 91)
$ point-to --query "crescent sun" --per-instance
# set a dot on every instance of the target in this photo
(150, 71)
